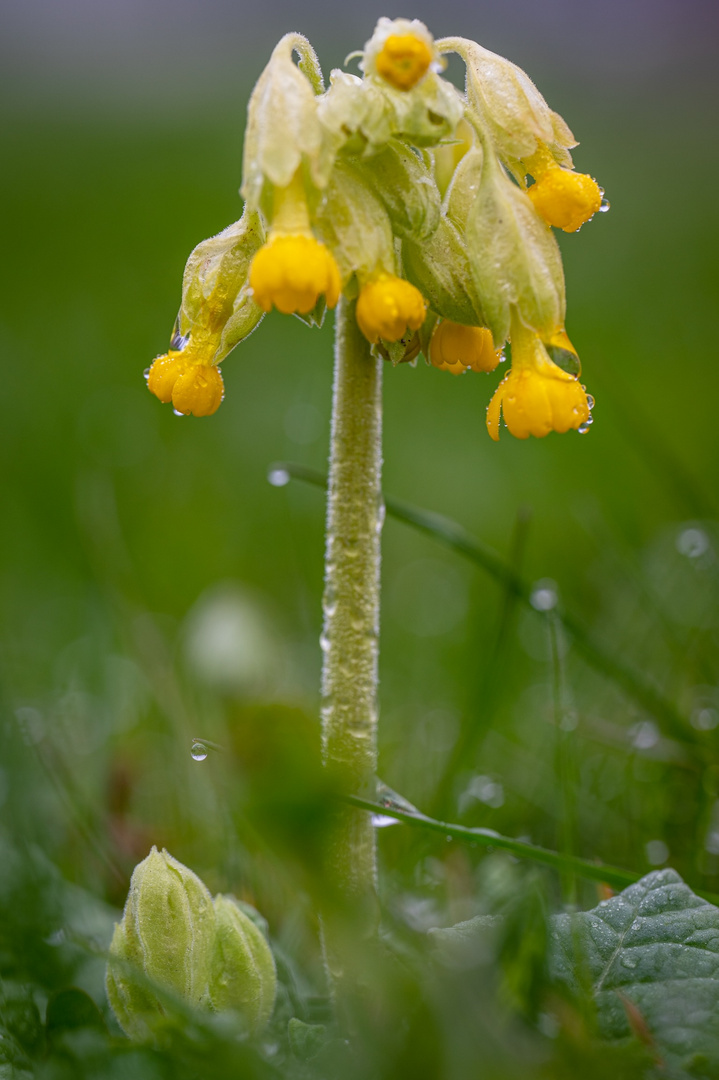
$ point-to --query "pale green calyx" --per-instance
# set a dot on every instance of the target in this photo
(217, 304)
(242, 972)
(509, 105)
(406, 185)
(514, 257)
(172, 944)
(441, 270)
(354, 224)
(283, 130)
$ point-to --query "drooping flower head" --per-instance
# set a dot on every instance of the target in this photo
(429, 210)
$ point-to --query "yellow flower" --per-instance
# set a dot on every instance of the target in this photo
(387, 307)
(565, 199)
(191, 387)
(291, 271)
(403, 60)
(455, 348)
(536, 396)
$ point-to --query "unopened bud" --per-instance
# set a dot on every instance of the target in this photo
(166, 934)
(174, 942)
(242, 974)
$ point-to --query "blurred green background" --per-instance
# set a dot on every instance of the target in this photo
(156, 589)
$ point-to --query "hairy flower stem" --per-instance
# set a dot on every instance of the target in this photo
(350, 641)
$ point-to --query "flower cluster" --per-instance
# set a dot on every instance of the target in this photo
(430, 210)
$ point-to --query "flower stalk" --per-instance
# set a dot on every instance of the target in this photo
(350, 635)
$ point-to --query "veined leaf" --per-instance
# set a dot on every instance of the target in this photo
(649, 958)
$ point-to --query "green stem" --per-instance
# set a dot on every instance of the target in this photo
(351, 623)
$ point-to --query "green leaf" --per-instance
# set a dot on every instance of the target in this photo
(71, 1009)
(306, 1040)
(650, 956)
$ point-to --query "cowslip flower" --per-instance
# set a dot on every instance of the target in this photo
(536, 396)
(397, 190)
(292, 271)
(563, 197)
(456, 348)
(193, 388)
(388, 307)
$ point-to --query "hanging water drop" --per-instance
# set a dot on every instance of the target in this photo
(605, 205)
(146, 374)
(382, 821)
(178, 413)
(278, 477)
(590, 401)
(198, 750)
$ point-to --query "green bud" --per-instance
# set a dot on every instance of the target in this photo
(355, 226)
(514, 257)
(216, 302)
(427, 113)
(508, 104)
(441, 270)
(283, 130)
(354, 115)
(406, 186)
(166, 933)
(242, 974)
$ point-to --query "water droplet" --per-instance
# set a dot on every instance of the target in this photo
(657, 852)
(382, 821)
(198, 750)
(590, 402)
(381, 515)
(278, 477)
(544, 595)
(644, 735)
(324, 643)
(605, 205)
(692, 543)
(628, 962)
(705, 718)
(178, 413)
(146, 374)
(585, 427)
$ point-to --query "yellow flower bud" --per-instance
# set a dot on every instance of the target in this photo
(565, 199)
(164, 373)
(198, 390)
(387, 307)
(195, 388)
(291, 271)
(536, 397)
(403, 60)
(455, 348)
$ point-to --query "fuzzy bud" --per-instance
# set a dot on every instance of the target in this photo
(167, 933)
(242, 973)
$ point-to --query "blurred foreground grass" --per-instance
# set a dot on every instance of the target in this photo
(156, 590)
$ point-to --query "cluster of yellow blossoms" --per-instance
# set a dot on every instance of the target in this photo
(432, 210)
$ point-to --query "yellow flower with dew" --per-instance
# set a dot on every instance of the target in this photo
(403, 60)
(455, 348)
(388, 307)
(193, 388)
(564, 198)
(536, 396)
(291, 271)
